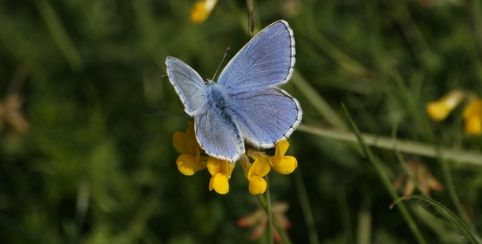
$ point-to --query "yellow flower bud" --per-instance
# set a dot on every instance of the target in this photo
(473, 117)
(219, 182)
(281, 163)
(201, 10)
(440, 109)
(284, 165)
(257, 185)
(221, 172)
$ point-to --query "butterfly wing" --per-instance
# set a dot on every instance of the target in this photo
(217, 134)
(188, 84)
(265, 116)
(266, 60)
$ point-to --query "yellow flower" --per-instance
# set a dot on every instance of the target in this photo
(201, 10)
(190, 160)
(220, 171)
(281, 163)
(473, 117)
(263, 164)
(440, 109)
(259, 169)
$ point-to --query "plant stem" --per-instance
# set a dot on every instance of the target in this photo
(60, 35)
(452, 193)
(377, 164)
(270, 213)
(318, 102)
(305, 207)
(405, 146)
(264, 204)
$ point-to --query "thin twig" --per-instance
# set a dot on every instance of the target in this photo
(405, 146)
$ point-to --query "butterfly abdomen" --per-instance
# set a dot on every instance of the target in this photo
(218, 100)
(216, 97)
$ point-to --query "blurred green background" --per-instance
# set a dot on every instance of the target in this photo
(86, 155)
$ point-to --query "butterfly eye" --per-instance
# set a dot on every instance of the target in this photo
(206, 81)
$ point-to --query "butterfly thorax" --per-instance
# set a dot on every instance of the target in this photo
(217, 97)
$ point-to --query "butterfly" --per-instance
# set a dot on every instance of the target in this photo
(245, 104)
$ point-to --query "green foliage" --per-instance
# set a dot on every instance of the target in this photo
(97, 164)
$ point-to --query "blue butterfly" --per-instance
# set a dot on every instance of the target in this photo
(245, 103)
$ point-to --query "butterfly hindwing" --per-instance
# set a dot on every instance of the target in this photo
(266, 60)
(265, 116)
(188, 84)
(215, 129)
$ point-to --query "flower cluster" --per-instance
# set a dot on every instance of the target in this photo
(440, 109)
(192, 160)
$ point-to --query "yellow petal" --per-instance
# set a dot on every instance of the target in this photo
(190, 142)
(185, 142)
(440, 109)
(257, 185)
(284, 165)
(259, 168)
(188, 165)
(199, 13)
(178, 142)
(201, 10)
(281, 148)
(216, 166)
(437, 111)
(473, 117)
(213, 165)
(473, 108)
(473, 126)
(219, 183)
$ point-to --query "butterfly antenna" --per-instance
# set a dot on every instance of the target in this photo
(251, 17)
(220, 63)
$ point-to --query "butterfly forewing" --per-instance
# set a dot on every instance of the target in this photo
(266, 60)
(188, 84)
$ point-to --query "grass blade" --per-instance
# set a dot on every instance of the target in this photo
(385, 180)
(446, 213)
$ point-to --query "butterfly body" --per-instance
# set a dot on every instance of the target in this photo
(246, 103)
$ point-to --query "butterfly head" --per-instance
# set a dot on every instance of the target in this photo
(208, 81)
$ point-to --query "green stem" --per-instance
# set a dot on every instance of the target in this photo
(344, 61)
(405, 146)
(305, 207)
(60, 35)
(471, 236)
(318, 102)
(264, 204)
(270, 213)
(452, 193)
(377, 164)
